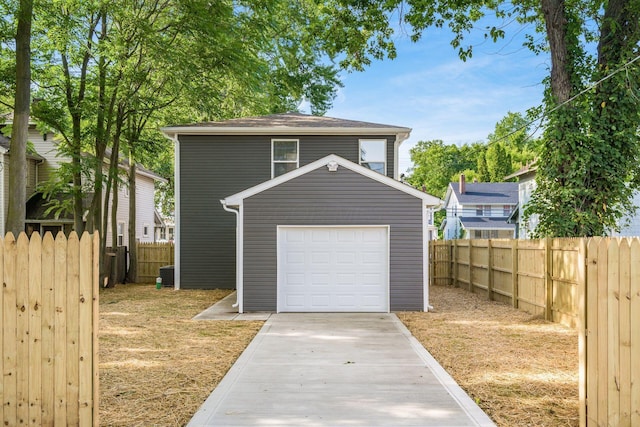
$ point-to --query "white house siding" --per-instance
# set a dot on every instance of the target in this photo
(632, 229)
(145, 208)
(48, 150)
(145, 205)
(525, 191)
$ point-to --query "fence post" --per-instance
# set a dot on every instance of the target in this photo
(514, 273)
(470, 265)
(490, 271)
(454, 260)
(548, 282)
(582, 330)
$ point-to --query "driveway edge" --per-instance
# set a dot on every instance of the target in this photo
(452, 387)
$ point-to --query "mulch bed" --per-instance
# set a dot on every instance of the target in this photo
(520, 369)
(156, 365)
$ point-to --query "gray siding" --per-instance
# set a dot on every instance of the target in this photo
(214, 167)
(339, 198)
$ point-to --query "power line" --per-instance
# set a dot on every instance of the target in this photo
(587, 89)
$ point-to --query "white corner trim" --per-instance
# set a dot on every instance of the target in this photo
(425, 258)
(177, 216)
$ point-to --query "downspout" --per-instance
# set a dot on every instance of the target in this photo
(238, 257)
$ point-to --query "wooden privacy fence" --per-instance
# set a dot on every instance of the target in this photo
(537, 276)
(592, 284)
(610, 346)
(152, 256)
(49, 313)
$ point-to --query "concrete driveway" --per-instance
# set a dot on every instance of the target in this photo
(337, 370)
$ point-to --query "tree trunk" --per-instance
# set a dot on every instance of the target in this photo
(133, 252)
(556, 25)
(112, 190)
(20, 131)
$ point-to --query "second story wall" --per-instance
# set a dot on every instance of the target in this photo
(214, 167)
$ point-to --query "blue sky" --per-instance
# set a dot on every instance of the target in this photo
(429, 89)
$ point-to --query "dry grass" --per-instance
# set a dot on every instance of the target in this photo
(156, 365)
(521, 370)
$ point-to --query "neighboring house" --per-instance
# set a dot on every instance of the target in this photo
(164, 228)
(40, 168)
(479, 210)
(629, 225)
(34, 161)
(526, 185)
(309, 207)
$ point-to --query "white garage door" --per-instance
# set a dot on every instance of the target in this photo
(333, 269)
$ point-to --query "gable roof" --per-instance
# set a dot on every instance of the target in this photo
(286, 124)
(237, 199)
(503, 193)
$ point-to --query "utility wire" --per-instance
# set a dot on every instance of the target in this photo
(541, 116)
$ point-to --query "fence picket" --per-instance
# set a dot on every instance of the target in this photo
(625, 333)
(48, 331)
(9, 326)
(35, 328)
(592, 322)
(634, 347)
(85, 330)
(60, 328)
(73, 327)
(3, 334)
(22, 328)
(613, 332)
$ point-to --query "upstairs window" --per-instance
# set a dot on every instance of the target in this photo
(483, 210)
(373, 155)
(120, 239)
(506, 210)
(284, 156)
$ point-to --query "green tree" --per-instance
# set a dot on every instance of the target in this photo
(588, 166)
(434, 164)
(498, 162)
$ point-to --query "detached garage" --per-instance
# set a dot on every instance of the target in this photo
(332, 236)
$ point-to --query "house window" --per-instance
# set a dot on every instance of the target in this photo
(284, 156)
(373, 155)
(506, 210)
(485, 234)
(483, 210)
(170, 233)
(145, 230)
(120, 239)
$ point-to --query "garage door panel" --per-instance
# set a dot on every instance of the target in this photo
(333, 269)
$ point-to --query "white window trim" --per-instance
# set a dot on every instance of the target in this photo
(273, 161)
(385, 160)
(145, 227)
(124, 226)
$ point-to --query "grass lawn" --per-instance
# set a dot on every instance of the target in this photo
(157, 366)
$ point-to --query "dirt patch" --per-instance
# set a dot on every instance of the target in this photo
(519, 369)
(156, 365)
